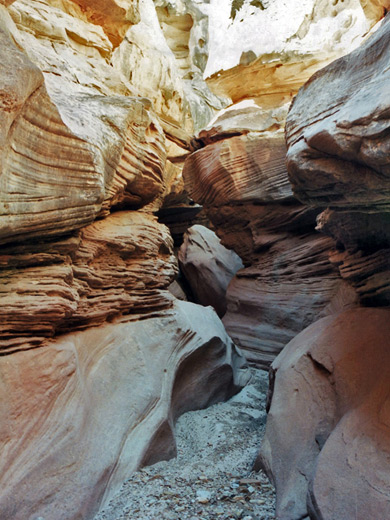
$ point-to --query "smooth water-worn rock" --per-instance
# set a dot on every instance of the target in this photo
(81, 414)
(212, 475)
(338, 160)
(208, 267)
(327, 441)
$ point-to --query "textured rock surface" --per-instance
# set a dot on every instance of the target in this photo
(98, 359)
(327, 439)
(294, 40)
(208, 267)
(68, 153)
(81, 414)
(115, 266)
(288, 282)
(97, 104)
(338, 159)
(237, 169)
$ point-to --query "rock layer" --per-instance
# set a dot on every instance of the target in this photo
(97, 357)
(115, 266)
(288, 282)
(333, 437)
(326, 446)
(265, 50)
(338, 159)
(61, 164)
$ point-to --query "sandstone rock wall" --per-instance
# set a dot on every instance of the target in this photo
(327, 449)
(338, 162)
(326, 446)
(239, 175)
(98, 358)
(237, 169)
(82, 413)
(295, 39)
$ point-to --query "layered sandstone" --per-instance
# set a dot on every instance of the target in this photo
(326, 446)
(338, 162)
(98, 358)
(237, 168)
(115, 266)
(69, 152)
(239, 176)
(332, 438)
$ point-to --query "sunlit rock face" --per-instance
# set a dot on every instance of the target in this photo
(97, 356)
(69, 151)
(338, 162)
(264, 48)
(326, 446)
(185, 25)
(239, 175)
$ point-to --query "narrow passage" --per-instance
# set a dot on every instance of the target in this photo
(211, 478)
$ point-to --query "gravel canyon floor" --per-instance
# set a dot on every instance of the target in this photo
(211, 477)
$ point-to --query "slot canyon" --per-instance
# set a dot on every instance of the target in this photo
(195, 248)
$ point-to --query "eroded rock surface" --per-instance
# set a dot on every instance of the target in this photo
(338, 160)
(288, 281)
(332, 438)
(68, 154)
(98, 359)
(208, 267)
(115, 266)
(88, 409)
(237, 168)
(327, 439)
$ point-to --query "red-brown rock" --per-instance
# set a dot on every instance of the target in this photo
(120, 265)
(327, 442)
(82, 413)
(288, 282)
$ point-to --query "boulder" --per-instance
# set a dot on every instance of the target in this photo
(82, 413)
(208, 267)
(327, 441)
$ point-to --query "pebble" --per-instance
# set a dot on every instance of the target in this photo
(211, 477)
(203, 496)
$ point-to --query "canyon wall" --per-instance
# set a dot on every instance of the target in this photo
(237, 169)
(99, 104)
(98, 358)
(327, 439)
